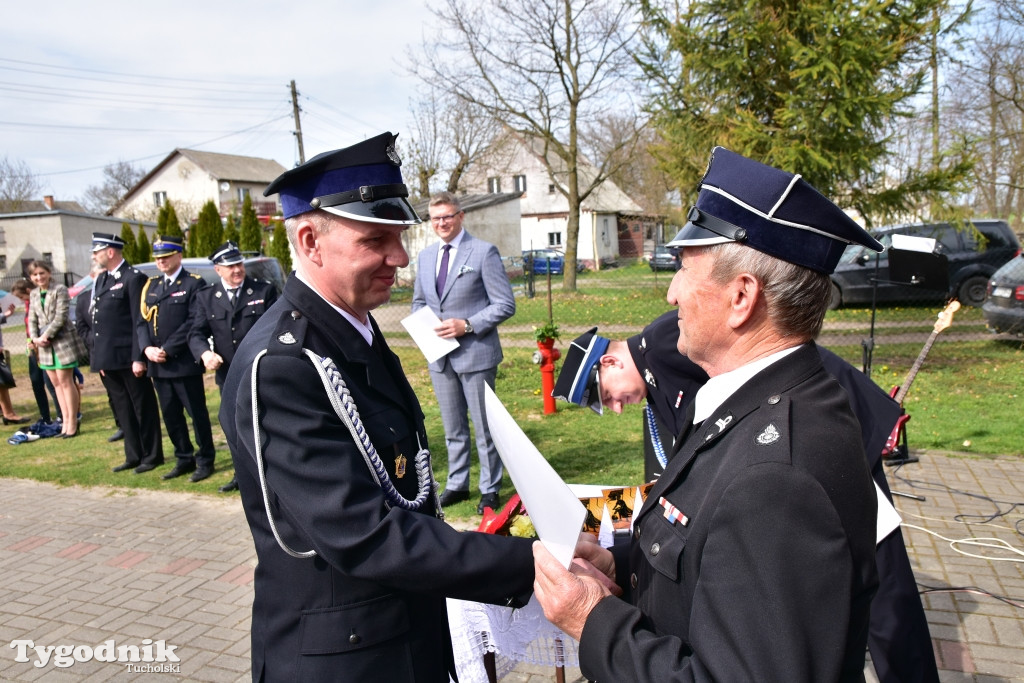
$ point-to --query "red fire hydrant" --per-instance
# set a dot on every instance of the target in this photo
(546, 356)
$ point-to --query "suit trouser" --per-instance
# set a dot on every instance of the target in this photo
(179, 395)
(457, 392)
(134, 404)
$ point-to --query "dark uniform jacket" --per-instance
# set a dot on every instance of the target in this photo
(169, 311)
(371, 605)
(770, 575)
(110, 330)
(214, 315)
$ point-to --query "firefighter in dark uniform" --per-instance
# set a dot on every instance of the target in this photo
(753, 555)
(224, 313)
(116, 354)
(898, 636)
(355, 562)
(164, 325)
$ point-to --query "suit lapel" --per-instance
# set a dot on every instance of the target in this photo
(461, 257)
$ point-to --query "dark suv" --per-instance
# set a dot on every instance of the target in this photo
(973, 254)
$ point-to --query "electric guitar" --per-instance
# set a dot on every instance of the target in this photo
(898, 393)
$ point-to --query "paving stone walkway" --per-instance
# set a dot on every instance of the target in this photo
(86, 566)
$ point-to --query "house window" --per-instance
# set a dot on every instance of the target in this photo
(519, 183)
(159, 198)
(494, 185)
(551, 188)
(48, 257)
(554, 239)
(3, 261)
(243, 192)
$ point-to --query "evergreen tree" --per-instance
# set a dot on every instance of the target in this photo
(128, 237)
(161, 220)
(279, 247)
(230, 230)
(810, 87)
(250, 236)
(143, 247)
(172, 226)
(205, 231)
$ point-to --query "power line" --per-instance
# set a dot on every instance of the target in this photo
(145, 77)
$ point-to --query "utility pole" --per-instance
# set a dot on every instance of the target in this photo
(298, 124)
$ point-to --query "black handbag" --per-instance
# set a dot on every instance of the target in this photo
(6, 376)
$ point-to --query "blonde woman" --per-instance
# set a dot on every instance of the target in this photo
(59, 348)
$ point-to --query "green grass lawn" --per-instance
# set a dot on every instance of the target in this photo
(967, 397)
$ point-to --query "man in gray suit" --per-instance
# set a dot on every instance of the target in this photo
(463, 281)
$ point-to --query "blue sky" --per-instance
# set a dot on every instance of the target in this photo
(83, 85)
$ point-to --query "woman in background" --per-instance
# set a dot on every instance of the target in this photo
(40, 381)
(9, 416)
(59, 347)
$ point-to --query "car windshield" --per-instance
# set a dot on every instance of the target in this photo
(855, 251)
(1011, 272)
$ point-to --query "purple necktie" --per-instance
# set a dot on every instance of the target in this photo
(442, 273)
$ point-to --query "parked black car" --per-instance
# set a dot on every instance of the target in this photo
(1004, 306)
(663, 258)
(973, 255)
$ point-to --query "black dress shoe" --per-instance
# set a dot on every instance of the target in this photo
(450, 497)
(178, 471)
(116, 436)
(17, 420)
(488, 500)
(124, 466)
(200, 474)
(230, 486)
(145, 467)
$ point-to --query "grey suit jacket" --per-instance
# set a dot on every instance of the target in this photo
(477, 290)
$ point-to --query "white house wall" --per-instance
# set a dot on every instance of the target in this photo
(497, 224)
(67, 237)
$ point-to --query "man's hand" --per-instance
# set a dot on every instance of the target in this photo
(567, 596)
(212, 360)
(138, 368)
(156, 354)
(451, 328)
(589, 549)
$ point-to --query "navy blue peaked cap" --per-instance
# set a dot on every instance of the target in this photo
(227, 254)
(103, 240)
(770, 210)
(165, 245)
(579, 381)
(363, 182)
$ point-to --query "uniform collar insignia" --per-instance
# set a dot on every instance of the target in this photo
(769, 436)
(649, 377)
(218, 295)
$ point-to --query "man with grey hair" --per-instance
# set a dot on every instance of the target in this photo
(331, 457)
(752, 557)
(463, 281)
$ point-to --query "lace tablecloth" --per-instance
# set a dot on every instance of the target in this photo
(513, 635)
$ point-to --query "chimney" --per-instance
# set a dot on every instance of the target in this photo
(48, 200)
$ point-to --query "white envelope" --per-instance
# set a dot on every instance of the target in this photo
(420, 326)
(554, 509)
